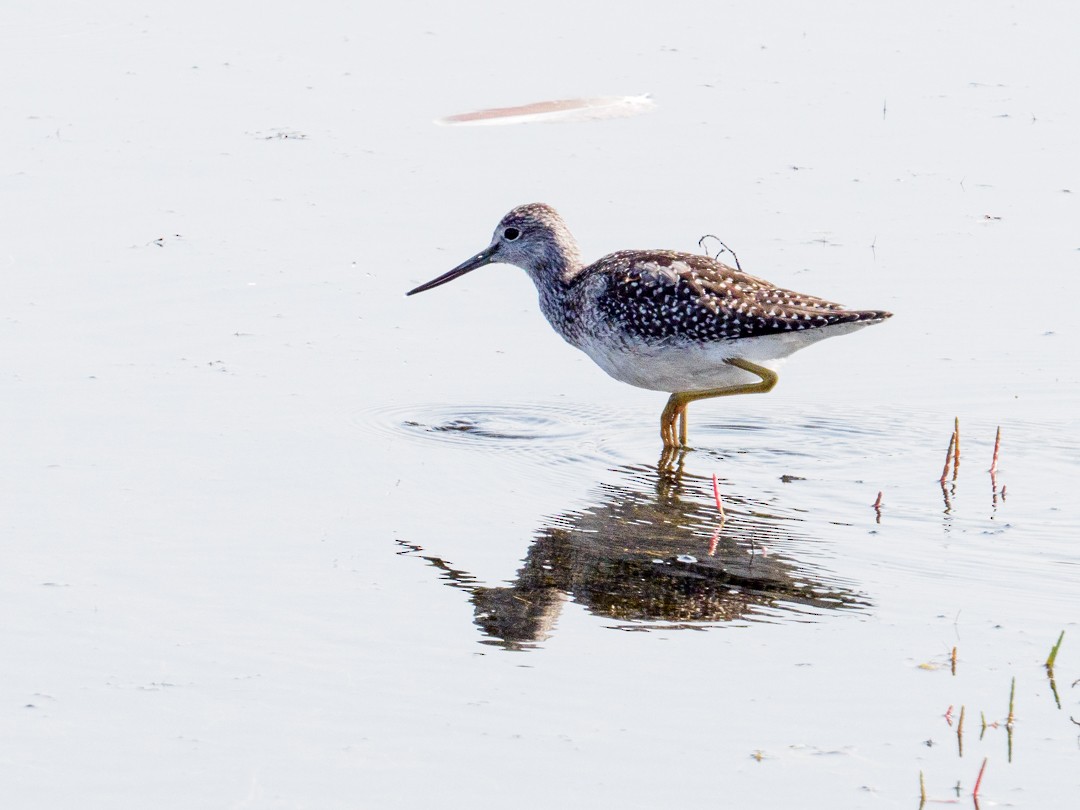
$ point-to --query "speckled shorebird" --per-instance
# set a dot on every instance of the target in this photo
(676, 322)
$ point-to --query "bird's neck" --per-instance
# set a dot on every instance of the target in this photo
(553, 277)
(557, 267)
(556, 285)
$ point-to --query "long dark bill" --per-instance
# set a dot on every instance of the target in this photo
(486, 256)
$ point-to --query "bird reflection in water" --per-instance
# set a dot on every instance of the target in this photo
(647, 556)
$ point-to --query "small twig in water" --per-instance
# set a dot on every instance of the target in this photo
(948, 458)
(1053, 653)
(993, 471)
(1053, 687)
(1010, 718)
(960, 732)
(877, 507)
(997, 447)
(1012, 696)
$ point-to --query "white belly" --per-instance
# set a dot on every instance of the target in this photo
(693, 367)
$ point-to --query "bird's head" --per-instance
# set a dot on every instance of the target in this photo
(532, 237)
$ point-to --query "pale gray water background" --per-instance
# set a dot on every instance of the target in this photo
(240, 469)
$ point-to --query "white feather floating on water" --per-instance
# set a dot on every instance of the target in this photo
(561, 111)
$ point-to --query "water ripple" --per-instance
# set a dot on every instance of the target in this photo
(547, 436)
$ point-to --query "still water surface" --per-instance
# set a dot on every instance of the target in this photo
(279, 537)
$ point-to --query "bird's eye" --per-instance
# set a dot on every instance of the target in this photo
(510, 234)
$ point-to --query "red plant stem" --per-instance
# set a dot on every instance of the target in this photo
(716, 494)
(715, 539)
(978, 781)
(956, 448)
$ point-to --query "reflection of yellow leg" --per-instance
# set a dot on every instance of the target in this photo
(678, 402)
(670, 470)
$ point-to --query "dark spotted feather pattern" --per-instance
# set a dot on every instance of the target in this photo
(663, 296)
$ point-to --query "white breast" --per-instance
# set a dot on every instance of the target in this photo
(699, 367)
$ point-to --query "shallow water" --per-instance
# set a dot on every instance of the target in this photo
(279, 537)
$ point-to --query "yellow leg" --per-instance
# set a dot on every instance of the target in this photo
(667, 422)
(677, 403)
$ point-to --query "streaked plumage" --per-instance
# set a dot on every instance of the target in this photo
(662, 320)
